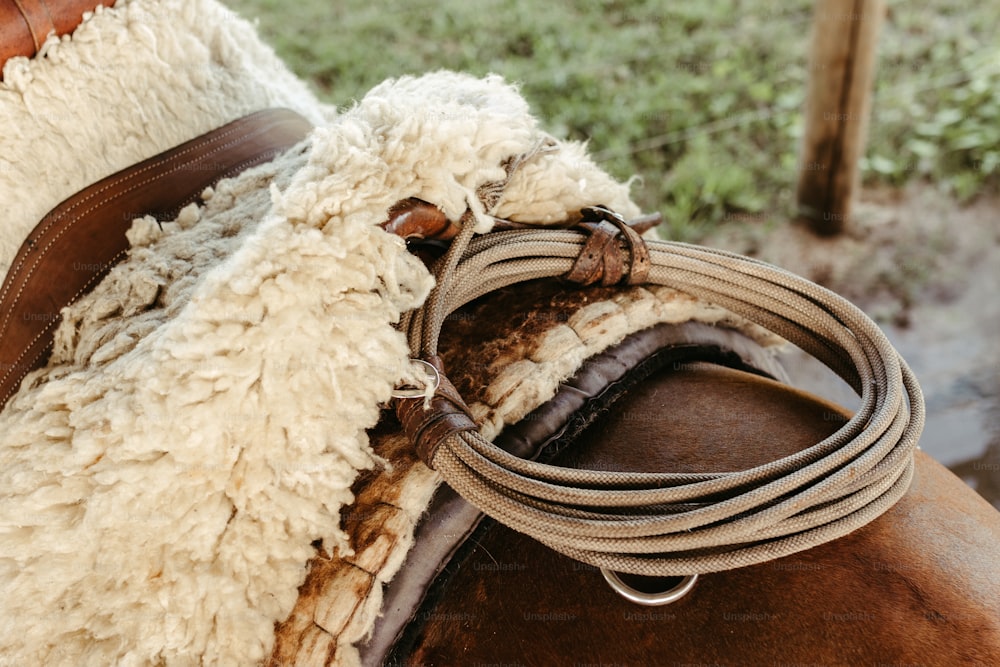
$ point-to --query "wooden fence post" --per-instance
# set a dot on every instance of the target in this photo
(838, 103)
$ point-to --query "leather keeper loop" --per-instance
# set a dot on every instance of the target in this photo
(428, 428)
(598, 255)
(639, 263)
(602, 256)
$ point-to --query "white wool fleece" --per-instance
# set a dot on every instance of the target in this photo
(203, 415)
(131, 82)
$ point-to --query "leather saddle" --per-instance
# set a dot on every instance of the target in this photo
(26, 24)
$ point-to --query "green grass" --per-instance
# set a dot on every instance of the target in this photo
(702, 100)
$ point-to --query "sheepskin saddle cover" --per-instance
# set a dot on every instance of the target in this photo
(200, 427)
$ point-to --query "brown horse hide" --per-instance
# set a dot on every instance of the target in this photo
(918, 586)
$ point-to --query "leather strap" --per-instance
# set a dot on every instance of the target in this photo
(79, 241)
(428, 426)
(25, 24)
(601, 258)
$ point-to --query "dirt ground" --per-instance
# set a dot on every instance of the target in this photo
(928, 271)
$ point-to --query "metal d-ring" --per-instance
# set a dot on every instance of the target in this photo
(649, 599)
(434, 377)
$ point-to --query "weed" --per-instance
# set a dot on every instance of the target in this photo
(702, 100)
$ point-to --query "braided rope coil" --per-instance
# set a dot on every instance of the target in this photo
(670, 524)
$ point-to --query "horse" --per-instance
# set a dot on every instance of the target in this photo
(393, 567)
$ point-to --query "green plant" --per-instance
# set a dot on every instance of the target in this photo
(943, 123)
(701, 100)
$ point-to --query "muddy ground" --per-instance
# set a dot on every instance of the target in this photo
(928, 271)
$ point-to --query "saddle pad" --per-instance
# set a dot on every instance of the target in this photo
(204, 412)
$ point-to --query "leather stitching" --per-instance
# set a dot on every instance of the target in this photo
(44, 252)
(31, 17)
(23, 279)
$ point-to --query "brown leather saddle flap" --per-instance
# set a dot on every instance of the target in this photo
(79, 241)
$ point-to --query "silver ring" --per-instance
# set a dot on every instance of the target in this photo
(649, 599)
(417, 392)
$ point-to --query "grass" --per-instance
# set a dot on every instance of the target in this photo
(702, 100)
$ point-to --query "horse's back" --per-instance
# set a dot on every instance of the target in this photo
(917, 586)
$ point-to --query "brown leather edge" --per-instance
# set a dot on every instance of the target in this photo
(39, 21)
(79, 241)
(25, 24)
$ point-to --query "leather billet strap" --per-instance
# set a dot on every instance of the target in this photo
(25, 24)
(80, 240)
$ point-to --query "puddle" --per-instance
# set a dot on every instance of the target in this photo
(955, 355)
(954, 350)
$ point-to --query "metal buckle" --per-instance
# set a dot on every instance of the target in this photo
(434, 378)
(649, 599)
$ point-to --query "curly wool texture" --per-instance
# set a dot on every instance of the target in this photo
(131, 82)
(203, 416)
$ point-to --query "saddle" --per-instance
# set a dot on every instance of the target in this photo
(79, 242)
(26, 24)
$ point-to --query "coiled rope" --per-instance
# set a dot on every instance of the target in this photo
(671, 524)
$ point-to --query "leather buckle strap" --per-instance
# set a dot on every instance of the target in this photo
(80, 240)
(601, 258)
(428, 428)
